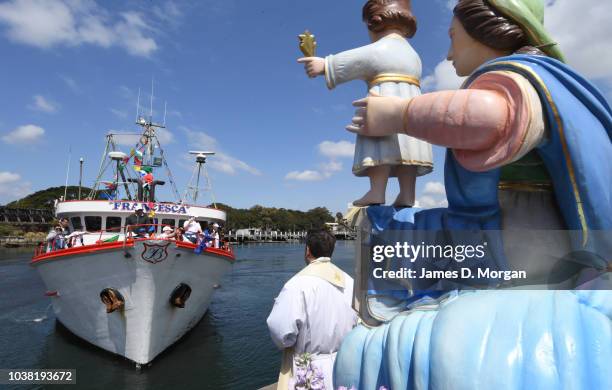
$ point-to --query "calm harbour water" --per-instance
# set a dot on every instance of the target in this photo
(229, 349)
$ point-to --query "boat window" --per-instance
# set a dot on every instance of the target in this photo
(182, 222)
(113, 223)
(171, 222)
(76, 223)
(93, 224)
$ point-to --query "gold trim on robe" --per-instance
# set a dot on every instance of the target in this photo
(394, 78)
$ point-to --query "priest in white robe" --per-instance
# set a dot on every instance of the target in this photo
(313, 312)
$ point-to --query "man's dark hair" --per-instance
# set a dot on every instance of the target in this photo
(63, 219)
(321, 243)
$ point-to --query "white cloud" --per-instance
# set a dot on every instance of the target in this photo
(168, 12)
(429, 202)
(305, 176)
(11, 187)
(8, 177)
(221, 161)
(337, 149)
(24, 134)
(225, 163)
(333, 151)
(583, 31)
(165, 136)
(130, 35)
(432, 196)
(325, 171)
(443, 78)
(47, 24)
(43, 104)
(331, 167)
(434, 188)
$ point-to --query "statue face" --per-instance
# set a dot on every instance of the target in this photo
(465, 52)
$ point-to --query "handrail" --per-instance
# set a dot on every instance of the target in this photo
(127, 236)
(129, 228)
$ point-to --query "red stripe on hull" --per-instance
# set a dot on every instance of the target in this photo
(80, 250)
(213, 251)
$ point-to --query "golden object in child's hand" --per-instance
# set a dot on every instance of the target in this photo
(308, 45)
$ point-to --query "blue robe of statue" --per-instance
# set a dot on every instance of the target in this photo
(506, 339)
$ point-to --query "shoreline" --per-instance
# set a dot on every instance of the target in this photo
(18, 242)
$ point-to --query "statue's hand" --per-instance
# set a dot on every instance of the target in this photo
(314, 66)
(379, 116)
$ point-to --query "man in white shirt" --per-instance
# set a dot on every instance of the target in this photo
(215, 235)
(313, 312)
(192, 229)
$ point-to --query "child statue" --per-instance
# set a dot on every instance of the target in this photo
(391, 67)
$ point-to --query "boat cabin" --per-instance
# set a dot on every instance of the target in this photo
(103, 219)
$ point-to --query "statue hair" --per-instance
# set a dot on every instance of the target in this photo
(489, 27)
(380, 15)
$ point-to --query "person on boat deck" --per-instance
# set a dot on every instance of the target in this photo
(225, 244)
(313, 312)
(215, 235)
(55, 239)
(137, 222)
(66, 230)
(167, 232)
(192, 229)
(180, 234)
(205, 239)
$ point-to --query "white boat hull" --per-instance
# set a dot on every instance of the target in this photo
(146, 278)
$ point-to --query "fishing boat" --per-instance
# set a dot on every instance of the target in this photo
(129, 289)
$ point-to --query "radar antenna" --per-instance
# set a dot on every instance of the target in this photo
(193, 188)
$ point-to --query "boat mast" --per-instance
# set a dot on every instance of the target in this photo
(193, 188)
(144, 150)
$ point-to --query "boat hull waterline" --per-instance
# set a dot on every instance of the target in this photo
(145, 273)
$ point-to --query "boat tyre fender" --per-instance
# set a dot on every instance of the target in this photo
(180, 295)
(112, 299)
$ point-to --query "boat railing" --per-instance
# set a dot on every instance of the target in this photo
(129, 229)
(75, 240)
(125, 234)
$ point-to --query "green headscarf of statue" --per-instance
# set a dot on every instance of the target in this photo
(529, 15)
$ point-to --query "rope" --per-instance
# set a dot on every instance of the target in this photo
(168, 172)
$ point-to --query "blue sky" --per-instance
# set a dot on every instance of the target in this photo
(71, 71)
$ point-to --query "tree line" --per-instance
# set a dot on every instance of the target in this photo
(275, 218)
